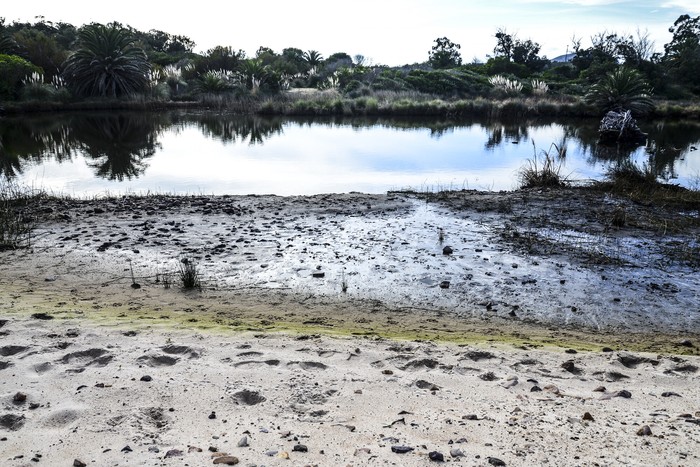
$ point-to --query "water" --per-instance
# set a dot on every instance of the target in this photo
(92, 154)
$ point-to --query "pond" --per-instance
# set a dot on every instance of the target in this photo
(184, 152)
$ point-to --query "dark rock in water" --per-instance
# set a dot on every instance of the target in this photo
(300, 448)
(447, 250)
(644, 431)
(436, 456)
(496, 461)
(246, 397)
(401, 449)
(12, 422)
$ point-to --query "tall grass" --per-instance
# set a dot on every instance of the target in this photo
(15, 223)
(544, 170)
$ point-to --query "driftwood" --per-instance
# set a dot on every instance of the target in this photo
(620, 127)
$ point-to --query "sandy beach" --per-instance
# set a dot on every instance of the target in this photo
(522, 328)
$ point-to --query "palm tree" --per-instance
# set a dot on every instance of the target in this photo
(622, 89)
(107, 63)
(313, 59)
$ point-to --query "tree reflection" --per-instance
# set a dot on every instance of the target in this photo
(232, 129)
(118, 144)
(500, 133)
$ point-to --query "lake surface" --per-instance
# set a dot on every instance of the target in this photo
(93, 154)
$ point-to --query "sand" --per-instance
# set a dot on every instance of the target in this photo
(324, 334)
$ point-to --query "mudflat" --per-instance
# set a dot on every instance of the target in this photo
(352, 329)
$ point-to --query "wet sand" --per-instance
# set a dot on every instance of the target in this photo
(347, 325)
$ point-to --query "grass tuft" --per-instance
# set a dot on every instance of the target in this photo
(544, 171)
(189, 275)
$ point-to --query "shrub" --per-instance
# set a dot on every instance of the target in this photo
(13, 70)
(545, 173)
(622, 89)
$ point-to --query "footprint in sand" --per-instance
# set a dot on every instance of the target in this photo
(309, 365)
(181, 350)
(61, 418)
(9, 350)
(271, 362)
(158, 360)
(91, 357)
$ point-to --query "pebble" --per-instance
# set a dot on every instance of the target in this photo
(226, 460)
(243, 442)
(300, 448)
(496, 461)
(212, 415)
(401, 449)
(447, 250)
(174, 453)
(19, 398)
(644, 431)
(436, 456)
(588, 417)
(456, 452)
(79, 463)
(146, 378)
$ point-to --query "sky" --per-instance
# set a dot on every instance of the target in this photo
(386, 32)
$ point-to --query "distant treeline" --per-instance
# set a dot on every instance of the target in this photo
(59, 63)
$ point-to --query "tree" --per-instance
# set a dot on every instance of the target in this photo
(682, 54)
(444, 54)
(623, 89)
(107, 63)
(511, 49)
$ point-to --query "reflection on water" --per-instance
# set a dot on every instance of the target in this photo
(184, 152)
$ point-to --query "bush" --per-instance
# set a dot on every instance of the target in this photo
(13, 70)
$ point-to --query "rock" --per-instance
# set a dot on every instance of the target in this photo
(243, 442)
(300, 448)
(212, 415)
(456, 452)
(447, 250)
(127, 448)
(445, 284)
(79, 463)
(422, 384)
(670, 394)
(571, 367)
(644, 431)
(174, 453)
(496, 461)
(588, 417)
(19, 398)
(436, 456)
(686, 343)
(155, 449)
(146, 378)
(623, 393)
(401, 449)
(226, 460)
(318, 275)
(535, 389)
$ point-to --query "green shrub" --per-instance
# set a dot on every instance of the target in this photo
(13, 70)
